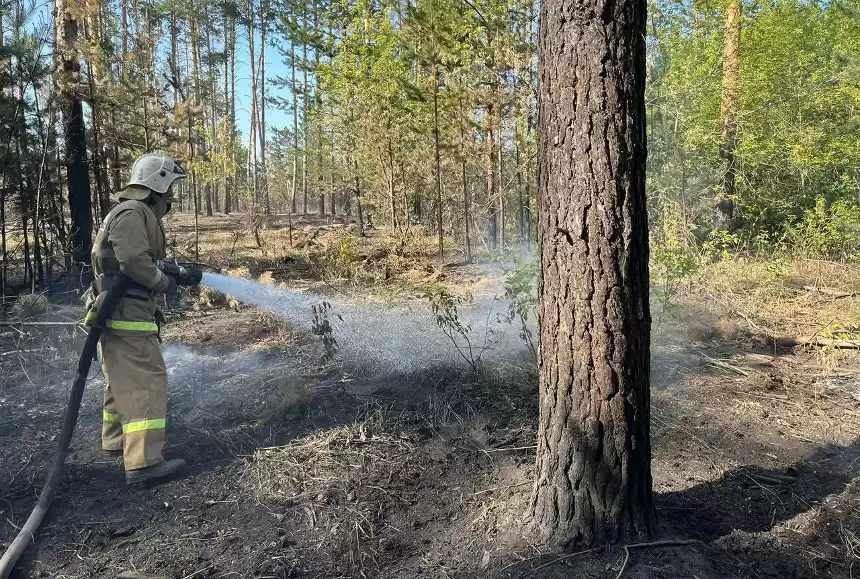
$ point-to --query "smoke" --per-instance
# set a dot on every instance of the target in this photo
(401, 338)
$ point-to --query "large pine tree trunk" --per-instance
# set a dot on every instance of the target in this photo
(593, 479)
(729, 111)
(68, 79)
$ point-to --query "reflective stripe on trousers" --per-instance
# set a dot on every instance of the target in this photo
(140, 425)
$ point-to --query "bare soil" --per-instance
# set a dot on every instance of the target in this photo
(301, 467)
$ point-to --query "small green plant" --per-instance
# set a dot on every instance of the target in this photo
(521, 293)
(444, 308)
(322, 327)
(721, 244)
(670, 267)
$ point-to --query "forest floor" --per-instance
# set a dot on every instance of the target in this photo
(306, 467)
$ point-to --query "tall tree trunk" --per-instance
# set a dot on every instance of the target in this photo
(262, 129)
(293, 88)
(68, 79)
(317, 108)
(593, 473)
(3, 250)
(499, 166)
(304, 107)
(492, 200)
(438, 168)
(252, 143)
(464, 181)
(520, 209)
(228, 121)
(729, 112)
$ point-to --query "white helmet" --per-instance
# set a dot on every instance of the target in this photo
(156, 172)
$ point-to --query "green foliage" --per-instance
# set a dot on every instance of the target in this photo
(670, 267)
(827, 230)
(444, 306)
(799, 116)
(521, 292)
(321, 326)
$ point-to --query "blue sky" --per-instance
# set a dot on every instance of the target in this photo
(40, 14)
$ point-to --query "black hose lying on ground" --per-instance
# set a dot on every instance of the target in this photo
(70, 420)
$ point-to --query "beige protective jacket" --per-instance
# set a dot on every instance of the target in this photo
(128, 242)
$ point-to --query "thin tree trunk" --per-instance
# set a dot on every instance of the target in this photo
(492, 207)
(438, 169)
(729, 111)
(466, 201)
(357, 178)
(500, 183)
(228, 121)
(304, 108)
(262, 129)
(293, 88)
(4, 254)
(252, 143)
(593, 471)
(392, 189)
(317, 107)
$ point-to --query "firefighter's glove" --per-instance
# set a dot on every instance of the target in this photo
(184, 274)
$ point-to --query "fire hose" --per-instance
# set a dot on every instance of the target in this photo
(184, 274)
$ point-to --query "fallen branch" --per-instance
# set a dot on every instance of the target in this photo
(830, 292)
(774, 479)
(792, 341)
(655, 544)
(14, 324)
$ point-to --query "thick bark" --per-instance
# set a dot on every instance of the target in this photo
(729, 111)
(77, 169)
(593, 474)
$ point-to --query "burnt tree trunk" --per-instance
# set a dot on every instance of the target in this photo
(593, 480)
(78, 177)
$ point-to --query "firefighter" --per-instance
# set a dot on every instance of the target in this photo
(135, 397)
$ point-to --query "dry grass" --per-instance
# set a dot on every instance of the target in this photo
(802, 297)
(337, 478)
(30, 306)
(828, 535)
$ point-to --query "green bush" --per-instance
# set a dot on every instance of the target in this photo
(827, 231)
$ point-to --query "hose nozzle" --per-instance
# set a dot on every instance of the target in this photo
(184, 273)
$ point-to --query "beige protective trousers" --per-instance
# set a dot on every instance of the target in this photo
(135, 397)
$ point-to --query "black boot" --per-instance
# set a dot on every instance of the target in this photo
(160, 472)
